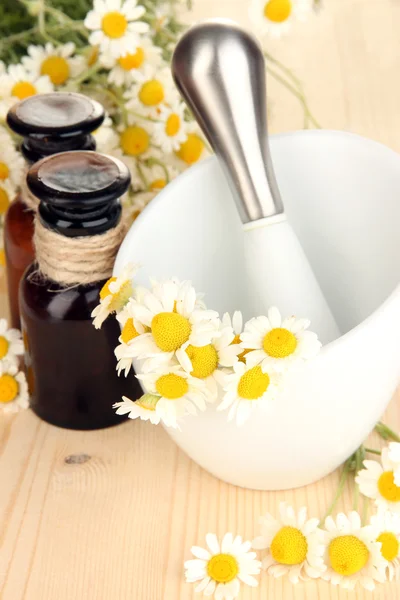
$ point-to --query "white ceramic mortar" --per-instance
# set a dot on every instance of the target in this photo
(342, 196)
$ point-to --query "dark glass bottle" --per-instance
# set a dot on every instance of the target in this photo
(49, 124)
(71, 365)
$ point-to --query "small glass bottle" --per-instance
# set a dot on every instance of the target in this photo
(71, 365)
(49, 124)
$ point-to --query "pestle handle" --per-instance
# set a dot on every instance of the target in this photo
(219, 69)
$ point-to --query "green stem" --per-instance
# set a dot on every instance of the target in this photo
(17, 37)
(86, 75)
(299, 95)
(358, 459)
(372, 451)
(156, 161)
(386, 433)
(142, 175)
(339, 491)
(284, 68)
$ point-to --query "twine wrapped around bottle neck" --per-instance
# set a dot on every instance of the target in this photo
(78, 260)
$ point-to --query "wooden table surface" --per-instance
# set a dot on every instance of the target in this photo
(111, 515)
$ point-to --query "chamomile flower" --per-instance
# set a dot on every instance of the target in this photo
(278, 344)
(174, 315)
(58, 62)
(12, 165)
(294, 545)
(179, 393)
(115, 25)
(18, 83)
(192, 149)
(13, 388)
(131, 329)
(236, 322)
(144, 408)
(203, 362)
(106, 137)
(133, 142)
(11, 345)
(275, 17)
(114, 295)
(7, 193)
(171, 130)
(124, 69)
(351, 553)
(150, 91)
(377, 481)
(162, 16)
(388, 528)
(246, 389)
(221, 569)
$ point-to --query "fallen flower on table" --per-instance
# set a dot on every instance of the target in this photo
(293, 544)
(352, 553)
(377, 481)
(387, 526)
(221, 569)
(11, 345)
(13, 388)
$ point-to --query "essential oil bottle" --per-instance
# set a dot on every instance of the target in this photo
(49, 124)
(78, 230)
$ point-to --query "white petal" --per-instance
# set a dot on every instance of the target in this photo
(200, 553)
(274, 317)
(212, 543)
(202, 585)
(227, 543)
(248, 579)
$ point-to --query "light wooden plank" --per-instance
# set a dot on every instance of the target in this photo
(120, 525)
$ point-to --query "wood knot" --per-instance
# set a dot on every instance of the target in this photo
(77, 459)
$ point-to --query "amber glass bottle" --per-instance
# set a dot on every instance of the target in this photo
(49, 124)
(72, 367)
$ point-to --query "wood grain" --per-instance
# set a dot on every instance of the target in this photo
(111, 515)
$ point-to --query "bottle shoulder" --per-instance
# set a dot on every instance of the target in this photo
(48, 300)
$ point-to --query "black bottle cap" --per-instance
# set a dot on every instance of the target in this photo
(79, 191)
(56, 122)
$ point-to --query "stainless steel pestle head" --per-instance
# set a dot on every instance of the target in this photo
(219, 69)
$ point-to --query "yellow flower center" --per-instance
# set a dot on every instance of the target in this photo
(120, 298)
(148, 401)
(158, 184)
(105, 290)
(93, 56)
(387, 487)
(114, 24)
(23, 89)
(2, 258)
(279, 343)
(172, 386)
(4, 346)
(134, 140)
(253, 384)
(172, 125)
(241, 356)
(132, 61)
(204, 360)
(289, 546)
(348, 555)
(129, 331)
(191, 150)
(8, 388)
(278, 11)
(390, 545)
(57, 68)
(4, 201)
(151, 93)
(170, 330)
(4, 171)
(223, 568)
